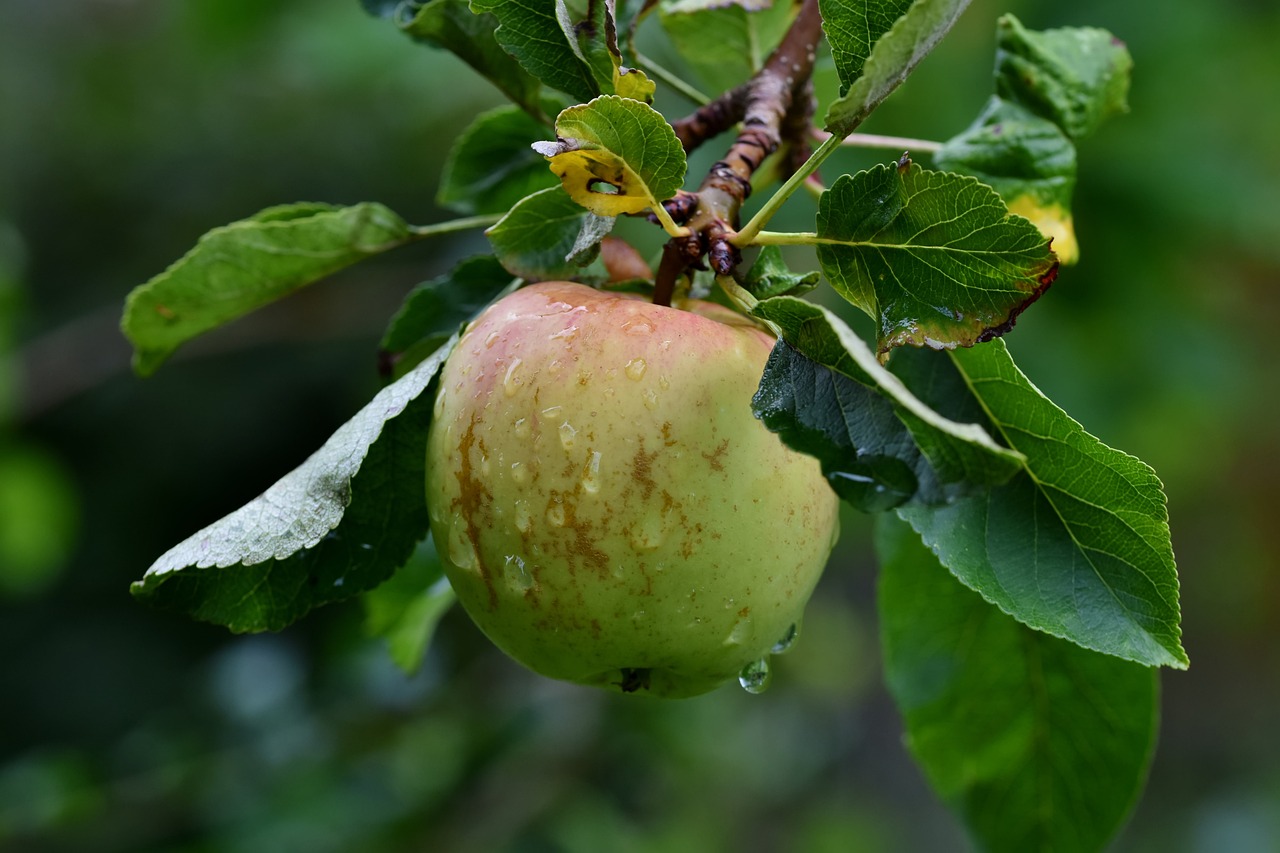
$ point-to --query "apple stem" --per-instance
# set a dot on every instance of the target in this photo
(670, 268)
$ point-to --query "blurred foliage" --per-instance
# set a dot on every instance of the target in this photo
(127, 129)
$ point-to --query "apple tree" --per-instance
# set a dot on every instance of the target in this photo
(661, 530)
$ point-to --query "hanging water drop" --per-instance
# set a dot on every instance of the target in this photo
(755, 677)
(787, 641)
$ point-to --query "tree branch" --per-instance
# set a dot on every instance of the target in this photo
(774, 105)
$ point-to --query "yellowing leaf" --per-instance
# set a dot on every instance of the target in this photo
(634, 84)
(1053, 220)
(601, 182)
(616, 155)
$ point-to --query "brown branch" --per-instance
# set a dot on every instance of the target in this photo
(712, 119)
(768, 104)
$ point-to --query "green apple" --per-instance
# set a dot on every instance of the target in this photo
(607, 508)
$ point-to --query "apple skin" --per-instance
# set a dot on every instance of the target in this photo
(606, 507)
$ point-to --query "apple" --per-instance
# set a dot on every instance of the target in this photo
(605, 504)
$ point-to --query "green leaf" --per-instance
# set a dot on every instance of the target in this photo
(866, 453)
(240, 267)
(1028, 160)
(336, 526)
(1077, 545)
(878, 443)
(1074, 77)
(588, 27)
(543, 237)
(894, 57)
(615, 156)
(745, 33)
(933, 257)
(531, 31)
(853, 27)
(769, 276)
(452, 26)
(491, 166)
(1036, 743)
(406, 609)
(436, 308)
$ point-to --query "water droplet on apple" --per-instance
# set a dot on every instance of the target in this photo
(519, 473)
(650, 398)
(555, 512)
(514, 570)
(591, 477)
(567, 334)
(638, 328)
(740, 634)
(787, 641)
(635, 369)
(521, 427)
(523, 520)
(567, 435)
(555, 367)
(491, 340)
(664, 383)
(462, 552)
(755, 677)
(511, 382)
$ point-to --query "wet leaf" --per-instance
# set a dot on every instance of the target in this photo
(933, 257)
(491, 166)
(336, 526)
(549, 236)
(894, 56)
(1075, 77)
(615, 156)
(1028, 160)
(1077, 545)
(878, 443)
(1036, 743)
(238, 268)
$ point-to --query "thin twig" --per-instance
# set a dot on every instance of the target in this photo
(896, 143)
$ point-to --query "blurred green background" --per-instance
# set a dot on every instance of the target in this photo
(128, 128)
